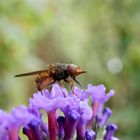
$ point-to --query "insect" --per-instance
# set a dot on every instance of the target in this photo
(55, 73)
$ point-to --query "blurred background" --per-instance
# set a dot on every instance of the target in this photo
(101, 37)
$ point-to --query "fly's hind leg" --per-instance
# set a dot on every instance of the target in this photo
(61, 87)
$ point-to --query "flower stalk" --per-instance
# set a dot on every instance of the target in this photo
(70, 124)
(52, 125)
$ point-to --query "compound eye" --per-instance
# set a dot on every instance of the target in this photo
(72, 69)
(73, 66)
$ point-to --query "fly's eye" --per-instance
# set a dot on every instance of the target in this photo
(72, 69)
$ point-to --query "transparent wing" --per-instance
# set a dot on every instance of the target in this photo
(32, 73)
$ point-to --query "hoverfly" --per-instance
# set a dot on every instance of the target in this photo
(55, 73)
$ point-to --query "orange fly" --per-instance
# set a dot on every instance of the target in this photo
(55, 73)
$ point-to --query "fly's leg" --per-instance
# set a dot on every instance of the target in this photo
(43, 82)
(61, 87)
(71, 82)
(77, 82)
(38, 84)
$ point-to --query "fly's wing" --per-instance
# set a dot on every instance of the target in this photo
(42, 72)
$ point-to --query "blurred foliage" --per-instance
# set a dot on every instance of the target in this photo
(100, 36)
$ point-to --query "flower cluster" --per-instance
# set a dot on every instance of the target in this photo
(78, 115)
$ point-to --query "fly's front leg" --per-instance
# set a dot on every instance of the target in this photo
(77, 82)
(71, 82)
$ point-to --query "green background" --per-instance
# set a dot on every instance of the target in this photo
(101, 36)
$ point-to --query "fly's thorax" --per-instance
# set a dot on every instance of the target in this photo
(60, 71)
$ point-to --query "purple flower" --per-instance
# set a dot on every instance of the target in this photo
(70, 124)
(61, 121)
(11, 123)
(99, 97)
(50, 102)
(34, 128)
(35, 131)
(35, 112)
(90, 135)
(70, 105)
(28, 132)
(86, 115)
(56, 91)
(20, 116)
(76, 114)
(39, 101)
(80, 93)
(110, 130)
(5, 118)
(82, 109)
(102, 120)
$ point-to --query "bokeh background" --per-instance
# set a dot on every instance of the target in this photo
(101, 36)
